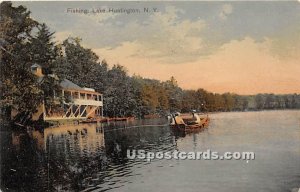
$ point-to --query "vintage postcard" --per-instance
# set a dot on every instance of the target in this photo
(150, 96)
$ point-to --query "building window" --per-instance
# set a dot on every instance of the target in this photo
(82, 96)
(76, 95)
(33, 69)
(89, 96)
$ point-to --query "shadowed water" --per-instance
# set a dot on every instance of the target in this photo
(90, 157)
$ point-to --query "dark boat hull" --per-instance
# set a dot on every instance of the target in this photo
(187, 128)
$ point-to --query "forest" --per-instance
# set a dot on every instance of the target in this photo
(24, 41)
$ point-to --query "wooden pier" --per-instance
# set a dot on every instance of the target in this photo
(106, 119)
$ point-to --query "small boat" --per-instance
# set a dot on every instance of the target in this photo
(185, 123)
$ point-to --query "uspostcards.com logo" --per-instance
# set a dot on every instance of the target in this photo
(181, 155)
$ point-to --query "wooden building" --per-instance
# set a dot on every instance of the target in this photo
(74, 102)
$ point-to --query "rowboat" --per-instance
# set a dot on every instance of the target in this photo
(184, 123)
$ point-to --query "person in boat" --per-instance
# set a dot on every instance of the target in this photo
(171, 119)
(196, 117)
(194, 113)
(178, 119)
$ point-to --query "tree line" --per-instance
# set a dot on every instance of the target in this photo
(24, 41)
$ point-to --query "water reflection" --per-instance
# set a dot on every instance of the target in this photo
(76, 157)
(181, 134)
(92, 157)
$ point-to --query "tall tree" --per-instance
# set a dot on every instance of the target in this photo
(45, 53)
(19, 88)
(120, 94)
(175, 94)
(43, 49)
(78, 64)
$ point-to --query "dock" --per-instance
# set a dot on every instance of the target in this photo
(106, 119)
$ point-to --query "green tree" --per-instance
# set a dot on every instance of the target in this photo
(45, 53)
(19, 87)
(149, 98)
(175, 94)
(120, 94)
(77, 63)
(260, 101)
(229, 101)
(43, 49)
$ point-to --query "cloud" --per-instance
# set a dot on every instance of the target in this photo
(242, 66)
(286, 43)
(165, 37)
(62, 35)
(227, 9)
(172, 41)
(222, 46)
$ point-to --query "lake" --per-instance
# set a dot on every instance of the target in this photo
(91, 157)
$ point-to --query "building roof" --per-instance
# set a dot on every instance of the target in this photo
(67, 84)
(35, 65)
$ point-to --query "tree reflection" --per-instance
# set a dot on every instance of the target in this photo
(75, 157)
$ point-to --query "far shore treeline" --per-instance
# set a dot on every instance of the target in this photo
(24, 41)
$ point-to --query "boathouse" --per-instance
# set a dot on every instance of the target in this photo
(78, 103)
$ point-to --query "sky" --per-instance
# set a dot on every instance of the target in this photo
(223, 46)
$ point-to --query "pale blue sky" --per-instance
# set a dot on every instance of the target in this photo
(253, 19)
(185, 35)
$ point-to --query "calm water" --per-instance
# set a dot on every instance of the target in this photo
(86, 158)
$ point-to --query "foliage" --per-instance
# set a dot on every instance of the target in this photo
(19, 87)
(24, 41)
